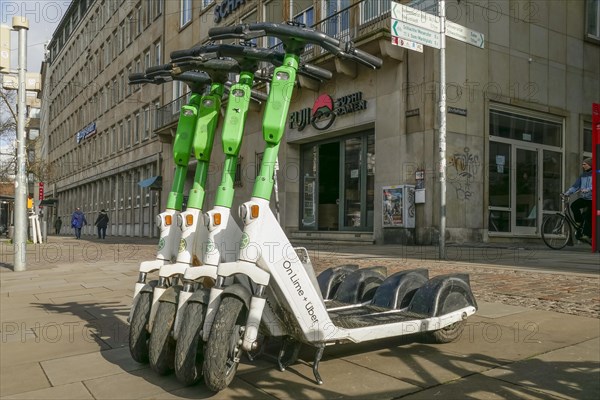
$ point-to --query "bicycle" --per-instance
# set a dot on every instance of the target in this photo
(557, 229)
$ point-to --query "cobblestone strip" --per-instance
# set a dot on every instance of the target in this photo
(568, 294)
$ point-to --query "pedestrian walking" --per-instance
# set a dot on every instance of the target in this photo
(78, 221)
(101, 223)
(57, 225)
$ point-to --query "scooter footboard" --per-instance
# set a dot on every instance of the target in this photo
(443, 294)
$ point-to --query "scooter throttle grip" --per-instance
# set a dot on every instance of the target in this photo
(367, 59)
(135, 77)
(166, 68)
(193, 77)
(225, 32)
(315, 72)
(183, 53)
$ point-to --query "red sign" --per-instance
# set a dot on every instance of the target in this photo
(41, 191)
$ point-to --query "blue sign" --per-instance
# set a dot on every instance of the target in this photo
(86, 132)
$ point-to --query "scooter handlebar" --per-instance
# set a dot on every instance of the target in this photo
(312, 71)
(291, 32)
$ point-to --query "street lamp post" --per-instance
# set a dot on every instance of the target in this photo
(21, 25)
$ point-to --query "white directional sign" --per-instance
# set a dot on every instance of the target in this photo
(464, 34)
(415, 34)
(407, 44)
(415, 17)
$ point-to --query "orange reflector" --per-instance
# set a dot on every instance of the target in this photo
(168, 220)
(254, 211)
(217, 218)
(189, 219)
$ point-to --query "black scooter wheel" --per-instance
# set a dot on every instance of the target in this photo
(162, 344)
(223, 349)
(138, 328)
(447, 334)
(189, 350)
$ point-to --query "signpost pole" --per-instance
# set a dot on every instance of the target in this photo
(442, 134)
(21, 25)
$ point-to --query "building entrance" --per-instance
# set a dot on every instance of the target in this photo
(338, 184)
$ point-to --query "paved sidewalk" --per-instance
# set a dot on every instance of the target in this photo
(64, 332)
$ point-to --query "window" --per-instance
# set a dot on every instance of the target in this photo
(185, 13)
(146, 123)
(127, 132)
(593, 19)
(147, 59)
(158, 6)
(157, 53)
(336, 23)
(206, 3)
(136, 129)
(587, 139)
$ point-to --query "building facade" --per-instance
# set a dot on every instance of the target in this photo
(100, 140)
(518, 121)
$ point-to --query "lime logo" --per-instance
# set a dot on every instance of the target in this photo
(182, 245)
(245, 240)
(210, 247)
(161, 244)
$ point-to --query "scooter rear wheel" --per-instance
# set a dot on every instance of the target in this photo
(447, 334)
(138, 328)
(162, 344)
(189, 350)
(223, 349)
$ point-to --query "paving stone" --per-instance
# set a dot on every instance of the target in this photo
(341, 380)
(74, 391)
(83, 367)
(136, 384)
(479, 387)
(572, 372)
(22, 378)
(237, 390)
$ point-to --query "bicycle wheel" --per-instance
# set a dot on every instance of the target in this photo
(556, 231)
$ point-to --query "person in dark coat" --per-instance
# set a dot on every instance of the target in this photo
(102, 223)
(77, 222)
(57, 225)
(583, 185)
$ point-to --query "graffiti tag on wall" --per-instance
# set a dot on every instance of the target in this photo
(462, 170)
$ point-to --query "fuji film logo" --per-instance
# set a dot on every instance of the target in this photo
(325, 110)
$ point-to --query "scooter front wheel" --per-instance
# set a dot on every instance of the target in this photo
(224, 346)
(138, 328)
(189, 350)
(162, 344)
(447, 334)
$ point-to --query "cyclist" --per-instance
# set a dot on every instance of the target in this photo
(583, 184)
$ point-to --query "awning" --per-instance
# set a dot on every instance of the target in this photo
(154, 182)
(49, 202)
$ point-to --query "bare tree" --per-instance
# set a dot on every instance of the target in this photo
(8, 128)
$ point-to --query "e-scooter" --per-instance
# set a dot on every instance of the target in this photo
(283, 277)
(223, 231)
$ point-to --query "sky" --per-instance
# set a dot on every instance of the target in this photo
(43, 16)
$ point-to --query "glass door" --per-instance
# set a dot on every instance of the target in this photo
(337, 185)
(526, 190)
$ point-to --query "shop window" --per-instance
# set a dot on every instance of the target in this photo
(587, 139)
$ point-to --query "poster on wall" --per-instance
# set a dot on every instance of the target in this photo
(393, 202)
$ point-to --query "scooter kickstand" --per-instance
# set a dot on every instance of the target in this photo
(318, 356)
(284, 345)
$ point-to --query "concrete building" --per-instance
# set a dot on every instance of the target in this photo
(519, 118)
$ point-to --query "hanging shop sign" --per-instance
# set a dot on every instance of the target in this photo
(226, 8)
(325, 110)
(89, 130)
